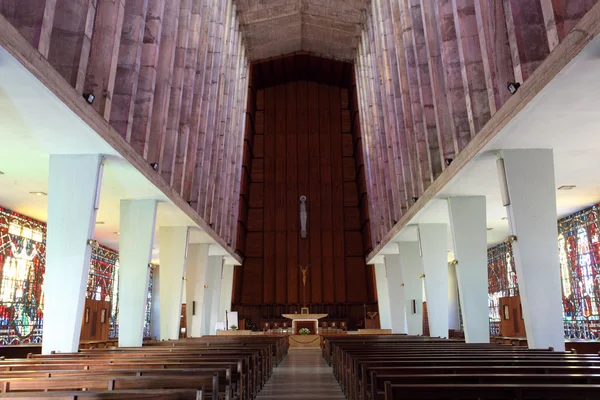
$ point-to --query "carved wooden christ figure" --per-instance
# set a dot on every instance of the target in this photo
(304, 270)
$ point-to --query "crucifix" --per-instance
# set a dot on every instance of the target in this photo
(304, 270)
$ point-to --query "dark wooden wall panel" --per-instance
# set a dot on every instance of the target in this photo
(304, 144)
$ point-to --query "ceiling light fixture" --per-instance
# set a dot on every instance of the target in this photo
(154, 166)
(39, 193)
(513, 87)
(490, 229)
(504, 218)
(567, 187)
(99, 222)
(117, 233)
(89, 97)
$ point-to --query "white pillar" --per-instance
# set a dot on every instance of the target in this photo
(195, 271)
(138, 218)
(532, 218)
(412, 269)
(453, 312)
(434, 252)
(173, 247)
(212, 295)
(383, 296)
(469, 231)
(396, 291)
(73, 195)
(226, 291)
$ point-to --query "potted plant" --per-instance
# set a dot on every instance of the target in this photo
(304, 331)
(233, 327)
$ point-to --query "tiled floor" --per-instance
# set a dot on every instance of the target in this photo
(303, 374)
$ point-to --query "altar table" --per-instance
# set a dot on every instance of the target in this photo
(300, 321)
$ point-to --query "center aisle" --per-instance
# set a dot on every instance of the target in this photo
(303, 374)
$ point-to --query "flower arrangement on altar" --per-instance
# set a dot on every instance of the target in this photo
(304, 331)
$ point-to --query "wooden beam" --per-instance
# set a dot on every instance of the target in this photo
(197, 29)
(389, 139)
(402, 169)
(379, 138)
(203, 64)
(236, 144)
(221, 181)
(128, 67)
(144, 95)
(495, 51)
(446, 132)
(567, 13)
(527, 36)
(18, 46)
(549, 23)
(409, 138)
(104, 54)
(214, 152)
(170, 140)
(234, 212)
(402, 101)
(209, 110)
(428, 105)
(478, 93)
(457, 105)
(368, 148)
(68, 46)
(420, 149)
(46, 29)
(164, 81)
(586, 30)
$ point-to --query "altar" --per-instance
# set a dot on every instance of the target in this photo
(309, 321)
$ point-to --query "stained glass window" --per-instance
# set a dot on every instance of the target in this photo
(579, 255)
(113, 331)
(22, 266)
(502, 281)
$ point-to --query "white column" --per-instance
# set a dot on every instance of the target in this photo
(138, 218)
(434, 252)
(453, 317)
(173, 247)
(212, 295)
(412, 269)
(195, 271)
(397, 296)
(469, 232)
(226, 290)
(73, 195)
(532, 218)
(383, 296)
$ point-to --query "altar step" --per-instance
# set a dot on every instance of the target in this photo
(303, 375)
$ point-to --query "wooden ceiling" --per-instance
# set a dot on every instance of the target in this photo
(329, 28)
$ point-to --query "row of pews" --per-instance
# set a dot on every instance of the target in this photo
(217, 368)
(416, 367)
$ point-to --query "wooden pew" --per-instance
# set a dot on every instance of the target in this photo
(491, 391)
(213, 368)
(391, 367)
(163, 394)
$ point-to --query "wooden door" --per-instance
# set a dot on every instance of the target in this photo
(95, 321)
(511, 317)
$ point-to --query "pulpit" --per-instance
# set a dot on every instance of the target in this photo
(309, 321)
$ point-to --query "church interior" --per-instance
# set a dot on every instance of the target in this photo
(300, 199)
